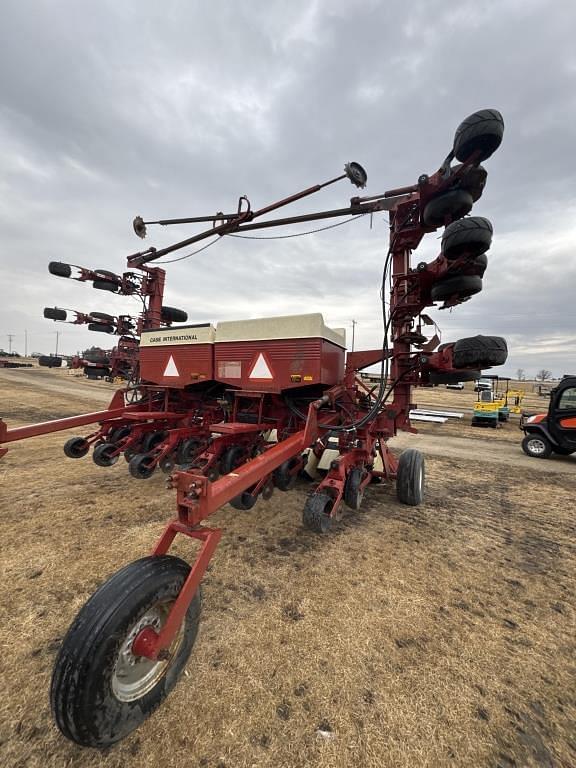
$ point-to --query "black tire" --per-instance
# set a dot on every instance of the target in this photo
(316, 513)
(473, 180)
(212, 473)
(141, 466)
(60, 269)
(167, 464)
(480, 351)
(117, 434)
(152, 440)
(103, 316)
(480, 263)
(88, 700)
(244, 501)
(101, 327)
(53, 313)
(443, 377)
(284, 478)
(353, 493)
(49, 361)
(129, 453)
(459, 287)
(173, 315)
(481, 131)
(96, 372)
(452, 204)
(232, 458)
(475, 266)
(102, 455)
(188, 450)
(536, 445)
(472, 236)
(76, 447)
(410, 478)
(105, 285)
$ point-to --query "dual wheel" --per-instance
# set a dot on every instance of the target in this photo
(232, 458)
(478, 136)
(142, 464)
(409, 490)
(101, 690)
(470, 355)
(317, 511)
(470, 239)
(236, 455)
(105, 454)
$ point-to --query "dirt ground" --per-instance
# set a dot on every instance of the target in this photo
(443, 635)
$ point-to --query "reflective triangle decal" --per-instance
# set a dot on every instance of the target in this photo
(260, 369)
(171, 369)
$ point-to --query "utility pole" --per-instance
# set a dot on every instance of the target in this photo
(57, 337)
(353, 333)
(10, 337)
(25, 343)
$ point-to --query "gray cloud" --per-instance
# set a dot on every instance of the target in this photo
(112, 109)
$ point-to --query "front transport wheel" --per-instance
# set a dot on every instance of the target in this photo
(100, 690)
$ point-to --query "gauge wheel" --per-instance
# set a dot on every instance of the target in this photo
(284, 476)
(117, 434)
(353, 490)
(316, 514)
(188, 450)
(152, 440)
(232, 458)
(244, 501)
(141, 466)
(103, 455)
(100, 690)
(76, 447)
(167, 464)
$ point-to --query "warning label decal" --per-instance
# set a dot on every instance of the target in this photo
(171, 369)
(261, 369)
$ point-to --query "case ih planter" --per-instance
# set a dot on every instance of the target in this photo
(243, 407)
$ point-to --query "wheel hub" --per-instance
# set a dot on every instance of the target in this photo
(537, 445)
(134, 675)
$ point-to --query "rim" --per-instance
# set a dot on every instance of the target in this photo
(536, 445)
(420, 480)
(134, 676)
(167, 464)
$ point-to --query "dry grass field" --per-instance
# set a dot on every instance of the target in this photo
(443, 635)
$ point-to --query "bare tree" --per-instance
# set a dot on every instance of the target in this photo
(543, 375)
(520, 374)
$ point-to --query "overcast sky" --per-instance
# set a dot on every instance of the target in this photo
(174, 108)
